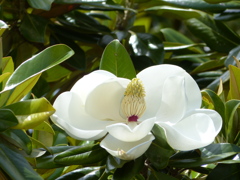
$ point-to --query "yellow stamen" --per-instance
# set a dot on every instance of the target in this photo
(133, 104)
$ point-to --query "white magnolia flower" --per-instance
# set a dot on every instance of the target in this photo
(101, 103)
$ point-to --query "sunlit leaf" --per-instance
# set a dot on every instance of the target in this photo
(31, 113)
(27, 74)
(234, 92)
(116, 60)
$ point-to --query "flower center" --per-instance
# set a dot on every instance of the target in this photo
(133, 104)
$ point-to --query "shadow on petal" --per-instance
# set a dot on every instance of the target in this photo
(126, 150)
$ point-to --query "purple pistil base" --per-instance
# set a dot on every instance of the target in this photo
(133, 118)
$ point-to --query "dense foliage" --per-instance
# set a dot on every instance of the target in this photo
(47, 45)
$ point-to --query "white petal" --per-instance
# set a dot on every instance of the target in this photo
(88, 82)
(195, 131)
(126, 150)
(70, 115)
(104, 101)
(174, 101)
(131, 132)
(153, 79)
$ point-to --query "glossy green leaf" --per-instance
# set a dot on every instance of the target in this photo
(159, 151)
(216, 1)
(145, 44)
(31, 113)
(214, 33)
(116, 60)
(113, 163)
(212, 99)
(227, 15)
(33, 28)
(209, 154)
(86, 154)
(232, 122)
(27, 74)
(130, 169)
(215, 84)
(41, 4)
(19, 139)
(201, 4)
(15, 165)
(86, 173)
(225, 171)
(7, 119)
(234, 92)
(209, 65)
(179, 13)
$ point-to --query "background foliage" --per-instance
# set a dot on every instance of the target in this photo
(201, 36)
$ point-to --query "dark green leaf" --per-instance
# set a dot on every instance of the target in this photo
(33, 28)
(160, 176)
(19, 139)
(159, 151)
(116, 60)
(224, 172)
(15, 165)
(7, 119)
(209, 154)
(86, 154)
(144, 44)
(129, 170)
(113, 163)
(214, 33)
(87, 173)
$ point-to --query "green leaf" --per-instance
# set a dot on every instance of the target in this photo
(212, 98)
(27, 74)
(86, 154)
(232, 122)
(116, 60)
(145, 44)
(7, 119)
(209, 65)
(113, 163)
(216, 1)
(234, 92)
(15, 165)
(41, 4)
(179, 13)
(160, 176)
(159, 151)
(130, 169)
(214, 33)
(234, 52)
(31, 113)
(86, 173)
(33, 28)
(202, 5)
(209, 154)
(19, 139)
(225, 171)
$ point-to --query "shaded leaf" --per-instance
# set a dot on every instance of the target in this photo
(144, 44)
(41, 4)
(7, 119)
(33, 28)
(15, 165)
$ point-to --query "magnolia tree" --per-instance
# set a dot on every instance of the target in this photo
(127, 90)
